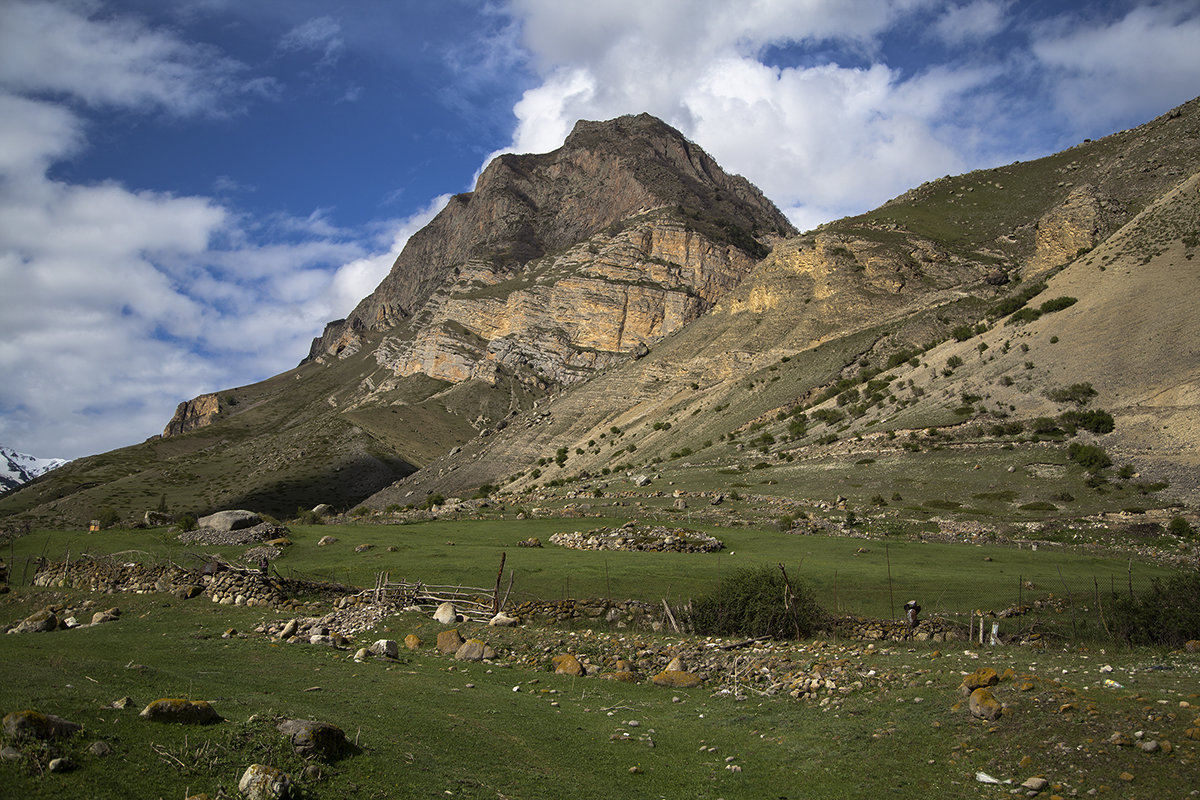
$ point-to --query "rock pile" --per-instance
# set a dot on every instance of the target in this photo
(631, 536)
(261, 532)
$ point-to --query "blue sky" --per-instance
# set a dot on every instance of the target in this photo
(190, 190)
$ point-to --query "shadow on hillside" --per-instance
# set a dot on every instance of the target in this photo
(343, 486)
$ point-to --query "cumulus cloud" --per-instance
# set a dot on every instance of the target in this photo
(837, 130)
(118, 303)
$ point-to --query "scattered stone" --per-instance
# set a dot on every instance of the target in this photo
(312, 739)
(503, 620)
(261, 782)
(60, 765)
(35, 724)
(413, 642)
(10, 753)
(1120, 739)
(122, 703)
(446, 614)
(100, 749)
(42, 621)
(1036, 784)
(1150, 746)
(984, 705)
(179, 710)
(449, 641)
(474, 650)
(323, 510)
(385, 648)
(1192, 646)
(325, 541)
(567, 664)
(982, 677)
(362, 548)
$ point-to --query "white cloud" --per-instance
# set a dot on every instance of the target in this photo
(1132, 68)
(319, 35)
(116, 303)
(974, 21)
(821, 141)
(52, 48)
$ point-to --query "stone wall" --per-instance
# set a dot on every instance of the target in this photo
(227, 587)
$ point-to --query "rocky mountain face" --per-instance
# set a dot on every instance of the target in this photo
(17, 469)
(561, 264)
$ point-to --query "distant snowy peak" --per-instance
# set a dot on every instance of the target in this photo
(19, 468)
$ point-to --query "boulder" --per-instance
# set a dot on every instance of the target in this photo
(677, 679)
(567, 664)
(326, 540)
(449, 641)
(323, 510)
(386, 648)
(41, 621)
(230, 520)
(446, 614)
(982, 677)
(312, 739)
(261, 782)
(984, 705)
(179, 710)
(412, 642)
(503, 620)
(474, 650)
(35, 724)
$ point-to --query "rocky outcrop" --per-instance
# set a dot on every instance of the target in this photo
(1065, 232)
(606, 178)
(196, 413)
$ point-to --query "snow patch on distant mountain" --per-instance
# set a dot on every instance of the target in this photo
(19, 468)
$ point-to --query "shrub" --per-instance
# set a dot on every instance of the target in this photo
(1078, 393)
(108, 517)
(757, 601)
(953, 362)
(1168, 614)
(187, 522)
(1089, 456)
(1095, 421)
(1057, 304)
(1178, 526)
(305, 516)
(1010, 304)
(1023, 315)
(962, 333)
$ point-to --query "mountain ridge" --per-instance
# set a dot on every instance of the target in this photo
(660, 327)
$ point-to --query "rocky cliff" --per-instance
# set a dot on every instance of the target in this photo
(195, 413)
(619, 237)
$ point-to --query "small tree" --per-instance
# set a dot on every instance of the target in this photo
(757, 601)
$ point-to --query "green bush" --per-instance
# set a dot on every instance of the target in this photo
(1089, 456)
(306, 516)
(1168, 614)
(1078, 393)
(1095, 421)
(1057, 304)
(1023, 315)
(1178, 526)
(757, 601)
(187, 522)
(108, 517)
(953, 362)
